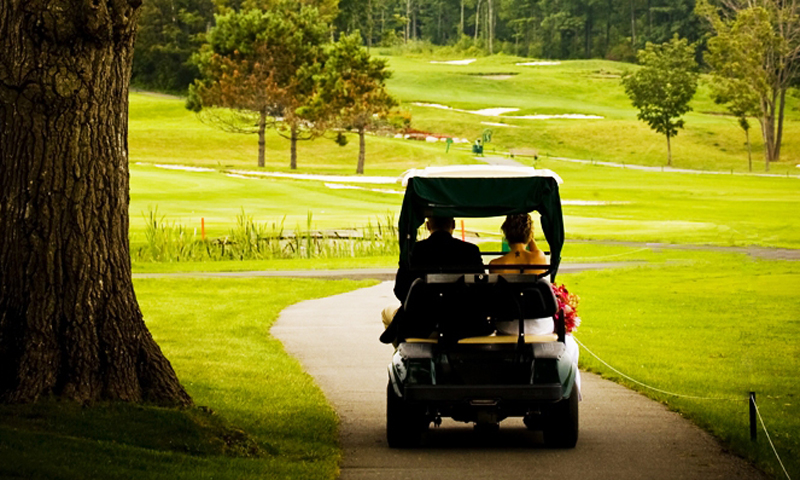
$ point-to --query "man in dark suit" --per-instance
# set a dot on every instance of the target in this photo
(439, 253)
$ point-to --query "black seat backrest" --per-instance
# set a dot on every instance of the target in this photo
(524, 299)
(453, 308)
(459, 306)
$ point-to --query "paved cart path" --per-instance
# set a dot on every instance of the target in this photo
(623, 434)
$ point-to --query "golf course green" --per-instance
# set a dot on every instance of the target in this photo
(698, 323)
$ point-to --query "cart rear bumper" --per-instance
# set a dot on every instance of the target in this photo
(483, 394)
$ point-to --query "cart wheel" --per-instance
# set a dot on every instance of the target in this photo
(404, 426)
(561, 423)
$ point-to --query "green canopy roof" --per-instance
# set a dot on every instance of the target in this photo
(481, 192)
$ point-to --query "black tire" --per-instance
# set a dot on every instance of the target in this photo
(561, 423)
(404, 426)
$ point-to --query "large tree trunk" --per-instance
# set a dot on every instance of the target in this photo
(70, 324)
(362, 149)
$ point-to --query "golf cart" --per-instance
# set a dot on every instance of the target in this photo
(449, 361)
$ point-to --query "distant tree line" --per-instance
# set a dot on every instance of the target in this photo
(559, 29)
(750, 47)
(170, 31)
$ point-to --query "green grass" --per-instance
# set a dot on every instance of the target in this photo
(268, 420)
(729, 210)
(709, 142)
(708, 325)
(163, 131)
(690, 322)
(266, 265)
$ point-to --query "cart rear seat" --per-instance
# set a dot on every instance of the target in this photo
(462, 308)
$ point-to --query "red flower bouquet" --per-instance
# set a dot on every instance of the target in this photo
(568, 303)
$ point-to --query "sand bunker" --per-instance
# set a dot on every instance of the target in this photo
(492, 112)
(495, 124)
(537, 64)
(500, 111)
(591, 203)
(184, 168)
(339, 186)
(497, 77)
(326, 178)
(456, 62)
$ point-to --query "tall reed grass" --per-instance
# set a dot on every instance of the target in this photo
(251, 240)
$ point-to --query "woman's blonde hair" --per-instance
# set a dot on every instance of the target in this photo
(518, 228)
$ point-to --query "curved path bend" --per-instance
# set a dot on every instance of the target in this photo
(623, 434)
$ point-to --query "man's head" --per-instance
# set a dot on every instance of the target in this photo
(441, 224)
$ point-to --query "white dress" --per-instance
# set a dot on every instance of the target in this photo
(533, 326)
(543, 326)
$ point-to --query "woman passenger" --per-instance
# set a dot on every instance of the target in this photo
(518, 230)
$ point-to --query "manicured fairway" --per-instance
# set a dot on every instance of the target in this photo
(704, 325)
(600, 203)
(590, 87)
(163, 131)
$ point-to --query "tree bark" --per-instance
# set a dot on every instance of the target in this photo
(763, 121)
(461, 25)
(588, 26)
(779, 135)
(633, 26)
(70, 325)
(262, 141)
(370, 24)
(669, 152)
(477, 19)
(490, 26)
(362, 151)
(608, 27)
(408, 21)
(768, 130)
(293, 140)
(749, 151)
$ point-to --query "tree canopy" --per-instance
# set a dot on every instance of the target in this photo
(353, 89)
(757, 48)
(663, 87)
(261, 64)
(170, 32)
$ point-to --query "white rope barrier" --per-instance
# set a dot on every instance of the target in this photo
(650, 387)
(604, 257)
(692, 397)
(770, 441)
